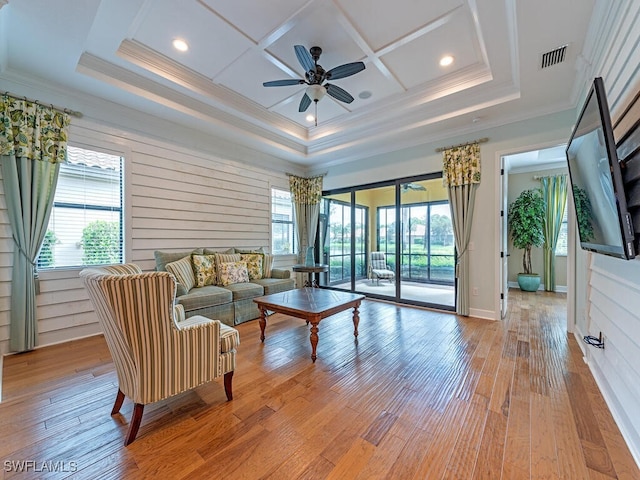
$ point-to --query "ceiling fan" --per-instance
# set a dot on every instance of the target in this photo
(316, 76)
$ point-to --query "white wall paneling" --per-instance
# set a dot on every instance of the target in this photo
(175, 199)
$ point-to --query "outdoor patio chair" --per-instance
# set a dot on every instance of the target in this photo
(378, 268)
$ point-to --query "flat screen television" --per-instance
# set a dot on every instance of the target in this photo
(604, 224)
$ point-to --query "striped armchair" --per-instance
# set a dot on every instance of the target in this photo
(156, 351)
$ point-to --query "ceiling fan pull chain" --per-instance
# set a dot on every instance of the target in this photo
(316, 115)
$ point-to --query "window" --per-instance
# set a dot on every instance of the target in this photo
(561, 246)
(283, 238)
(85, 227)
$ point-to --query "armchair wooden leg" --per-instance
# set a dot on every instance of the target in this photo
(136, 418)
(118, 402)
(228, 378)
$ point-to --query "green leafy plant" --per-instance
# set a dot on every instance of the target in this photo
(583, 214)
(46, 258)
(101, 243)
(526, 217)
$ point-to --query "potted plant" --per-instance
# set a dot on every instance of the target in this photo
(526, 218)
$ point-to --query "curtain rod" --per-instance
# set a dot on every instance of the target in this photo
(37, 102)
(480, 140)
(294, 175)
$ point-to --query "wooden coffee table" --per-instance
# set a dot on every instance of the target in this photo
(310, 304)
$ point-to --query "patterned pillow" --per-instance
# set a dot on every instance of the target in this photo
(183, 271)
(204, 267)
(233, 272)
(254, 264)
(225, 258)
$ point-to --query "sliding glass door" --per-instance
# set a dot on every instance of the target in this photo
(392, 240)
(343, 240)
(427, 250)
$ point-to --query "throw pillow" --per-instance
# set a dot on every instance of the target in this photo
(225, 258)
(254, 264)
(204, 267)
(233, 272)
(183, 271)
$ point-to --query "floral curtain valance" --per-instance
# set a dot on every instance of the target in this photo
(461, 165)
(31, 130)
(306, 191)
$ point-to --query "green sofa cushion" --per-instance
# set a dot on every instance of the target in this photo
(275, 285)
(243, 291)
(208, 296)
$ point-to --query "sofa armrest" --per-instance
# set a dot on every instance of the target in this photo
(280, 273)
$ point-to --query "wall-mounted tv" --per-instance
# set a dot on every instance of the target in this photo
(604, 224)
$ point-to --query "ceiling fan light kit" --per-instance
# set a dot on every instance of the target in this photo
(316, 77)
(316, 92)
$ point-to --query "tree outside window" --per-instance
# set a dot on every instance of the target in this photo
(283, 238)
(86, 223)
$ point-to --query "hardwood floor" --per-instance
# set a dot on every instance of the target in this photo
(420, 395)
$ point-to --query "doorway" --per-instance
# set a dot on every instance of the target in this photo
(519, 172)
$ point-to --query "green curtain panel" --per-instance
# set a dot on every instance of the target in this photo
(554, 193)
(33, 142)
(461, 176)
(306, 194)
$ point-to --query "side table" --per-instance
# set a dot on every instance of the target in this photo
(318, 268)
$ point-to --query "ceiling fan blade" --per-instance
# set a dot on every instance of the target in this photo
(304, 103)
(283, 83)
(304, 57)
(345, 70)
(338, 93)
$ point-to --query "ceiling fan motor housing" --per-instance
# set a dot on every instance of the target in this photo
(315, 53)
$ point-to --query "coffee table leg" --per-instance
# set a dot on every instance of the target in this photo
(314, 339)
(263, 322)
(356, 320)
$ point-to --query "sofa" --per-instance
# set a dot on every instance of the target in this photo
(221, 285)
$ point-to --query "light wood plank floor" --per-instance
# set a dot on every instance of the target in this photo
(420, 395)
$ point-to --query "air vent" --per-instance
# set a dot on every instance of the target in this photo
(554, 57)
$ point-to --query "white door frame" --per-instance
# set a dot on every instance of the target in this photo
(571, 256)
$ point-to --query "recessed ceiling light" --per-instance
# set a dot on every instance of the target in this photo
(446, 61)
(365, 94)
(180, 44)
(310, 118)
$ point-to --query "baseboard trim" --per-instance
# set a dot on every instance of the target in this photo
(484, 314)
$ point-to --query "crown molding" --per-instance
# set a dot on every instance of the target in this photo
(402, 121)
(110, 118)
(152, 61)
(241, 130)
(396, 110)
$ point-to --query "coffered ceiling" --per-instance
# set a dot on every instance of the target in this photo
(121, 51)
